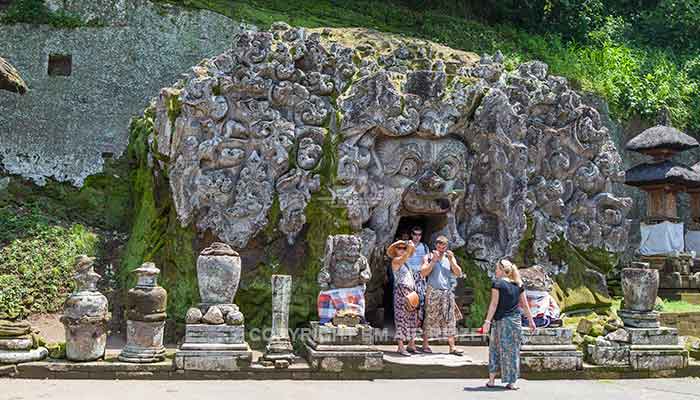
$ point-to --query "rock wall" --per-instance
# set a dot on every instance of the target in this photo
(66, 126)
(504, 163)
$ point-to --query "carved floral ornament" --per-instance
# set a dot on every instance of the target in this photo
(422, 131)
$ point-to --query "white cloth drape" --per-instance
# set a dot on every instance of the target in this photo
(663, 238)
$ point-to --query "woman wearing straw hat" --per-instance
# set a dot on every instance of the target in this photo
(405, 296)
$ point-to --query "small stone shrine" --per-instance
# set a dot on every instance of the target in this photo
(145, 313)
(16, 343)
(279, 351)
(664, 244)
(85, 315)
(215, 330)
(642, 344)
(342, 339)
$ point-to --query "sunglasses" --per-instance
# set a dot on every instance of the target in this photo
(401, 248)
(416, 233)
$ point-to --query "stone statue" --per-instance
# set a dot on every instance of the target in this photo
(344, 266)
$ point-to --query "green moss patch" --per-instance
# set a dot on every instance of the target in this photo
(573, 290)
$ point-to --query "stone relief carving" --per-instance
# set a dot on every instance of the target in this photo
(418, 130)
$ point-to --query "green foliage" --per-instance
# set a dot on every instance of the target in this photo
(36, 260)
(36, 12)
(633, 55)
(671, 306)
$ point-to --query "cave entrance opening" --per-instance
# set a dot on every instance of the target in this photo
(430, 225)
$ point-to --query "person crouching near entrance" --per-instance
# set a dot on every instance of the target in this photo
(441, 314)
(405, 296)
(504, 321)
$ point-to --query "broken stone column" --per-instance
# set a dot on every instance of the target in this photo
(146, 304)
(16, 343)
(85, 315)
(279, 350)
(215, 330)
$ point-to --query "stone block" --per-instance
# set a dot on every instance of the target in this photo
(607, 356)
(342, 359)
(639, 319)
(16, 344)
(655, 358)
(341, 335)
(541, 361)
(584, 326)
(547, 336)
(22, 356)
(219, 334)
(655, 336)
(214, 360)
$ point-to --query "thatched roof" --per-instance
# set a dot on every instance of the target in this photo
(661, 137)
(666, 172)
(10, 79)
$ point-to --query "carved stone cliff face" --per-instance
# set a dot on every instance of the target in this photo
(416, 130)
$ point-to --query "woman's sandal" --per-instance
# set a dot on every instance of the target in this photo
(491, 385)
(427, 350)
(457, 352)
(412, 350)
(512, 387)
(403, 353)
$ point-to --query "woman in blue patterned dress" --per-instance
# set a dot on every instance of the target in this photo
(504, 321)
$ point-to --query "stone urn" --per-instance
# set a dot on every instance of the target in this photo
(145, 313)
(85, 315)
(218, 275)
(640, 285)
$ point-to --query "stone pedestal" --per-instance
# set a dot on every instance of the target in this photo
(279, 351)
(16, 343)
(639, 319)
(215, 331)
(337, 348)
(549, 349)
(85, 315)
(213, 348)
(642, 344)
(146, 316)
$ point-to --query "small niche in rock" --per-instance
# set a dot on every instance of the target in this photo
(60, 64)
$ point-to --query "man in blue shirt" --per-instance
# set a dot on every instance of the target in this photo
(441, 314)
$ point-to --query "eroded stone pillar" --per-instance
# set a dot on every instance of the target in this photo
(279, 349)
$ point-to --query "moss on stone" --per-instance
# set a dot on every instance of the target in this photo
(156, 234)
(479, 281)
(572, 290)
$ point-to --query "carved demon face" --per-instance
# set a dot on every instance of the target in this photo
(430, 172)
